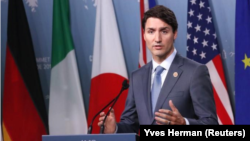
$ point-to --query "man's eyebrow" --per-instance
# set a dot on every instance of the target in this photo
(163, 28)
(150, 28)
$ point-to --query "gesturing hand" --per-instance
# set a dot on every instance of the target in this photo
(169, 117)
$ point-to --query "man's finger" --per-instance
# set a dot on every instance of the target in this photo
(101, 118)
(112, 113)
(161, 120)
(163, 115)
(171, 104)
(100, 123)
(166, 111)
(102, 114)
(158, 123)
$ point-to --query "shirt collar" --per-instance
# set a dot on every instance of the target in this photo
(166, 63)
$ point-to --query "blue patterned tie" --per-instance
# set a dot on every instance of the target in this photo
(156, 88)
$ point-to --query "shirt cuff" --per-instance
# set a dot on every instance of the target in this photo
(187, 122)
(116, 128)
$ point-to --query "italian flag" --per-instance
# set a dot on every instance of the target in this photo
(66, 108)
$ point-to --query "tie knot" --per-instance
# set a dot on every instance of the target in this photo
(159, 70)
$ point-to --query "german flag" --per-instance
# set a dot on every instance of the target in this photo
(24, 115)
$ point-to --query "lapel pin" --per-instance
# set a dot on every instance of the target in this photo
(175, 74)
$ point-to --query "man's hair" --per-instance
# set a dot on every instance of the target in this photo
(163, 13)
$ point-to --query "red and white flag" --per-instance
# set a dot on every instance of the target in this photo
(203, 47)
(108, 68)
(144, 54)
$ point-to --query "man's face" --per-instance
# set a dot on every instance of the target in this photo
(159, 38)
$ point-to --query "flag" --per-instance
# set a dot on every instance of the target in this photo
(202, 46)
(66, 108)
(108, 68)
(242, 62)
(24, 113)
(143, 56)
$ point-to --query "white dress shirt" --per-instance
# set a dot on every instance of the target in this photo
(165, 64)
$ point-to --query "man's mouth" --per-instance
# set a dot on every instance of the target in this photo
(157, 47)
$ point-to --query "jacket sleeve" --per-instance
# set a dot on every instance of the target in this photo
(201, 91)
(129, 118)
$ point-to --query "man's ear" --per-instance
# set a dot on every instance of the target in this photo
(175, 34)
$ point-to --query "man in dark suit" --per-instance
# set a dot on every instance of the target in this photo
(169, 90)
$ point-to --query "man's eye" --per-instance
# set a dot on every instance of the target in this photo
(150, 31)
(164, 32)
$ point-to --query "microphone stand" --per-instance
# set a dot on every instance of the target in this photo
(125, 86)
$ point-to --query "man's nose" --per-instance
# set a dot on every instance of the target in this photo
(157, 37)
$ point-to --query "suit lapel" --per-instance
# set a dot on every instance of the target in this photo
(170, 81)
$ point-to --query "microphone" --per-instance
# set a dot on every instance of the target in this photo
(90, 126)
(125, 85)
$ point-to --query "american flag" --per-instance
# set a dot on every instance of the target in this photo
(202, 46)
(144, 6)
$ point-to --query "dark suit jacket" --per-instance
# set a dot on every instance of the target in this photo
(191, 92)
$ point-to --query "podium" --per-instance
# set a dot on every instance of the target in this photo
(93, 137)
